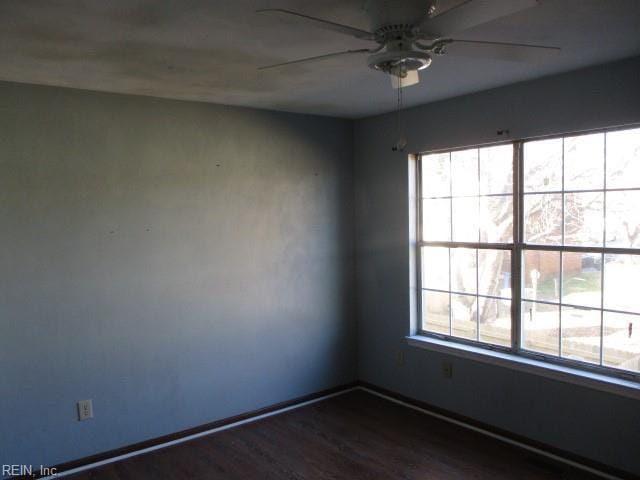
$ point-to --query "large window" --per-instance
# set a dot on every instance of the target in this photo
(533, 247)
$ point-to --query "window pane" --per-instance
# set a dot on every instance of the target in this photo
(623, 219)
(464, 172)
(584, 219)
(464, 322)
(465, 219)
(436, 175)
(581, 334)
(621, 341)
(540, 327)
(494, 273)
(584, 162)
(495, 321)
(541, 278)
(581, 279)
(621, 274)
(623, 159)
(543, 165)
(435, 312)
(496, 219)
(543, 219)
(435, 268)
(463, 270)
(436, 220)
(496, 169)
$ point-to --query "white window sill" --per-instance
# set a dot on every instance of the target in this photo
(618, 386)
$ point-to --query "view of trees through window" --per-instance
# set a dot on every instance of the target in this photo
(577, 251)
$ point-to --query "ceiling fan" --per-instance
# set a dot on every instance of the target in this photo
(410, 33)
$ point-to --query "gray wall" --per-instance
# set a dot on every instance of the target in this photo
(175, 262)
(594, 424)
(180, 262)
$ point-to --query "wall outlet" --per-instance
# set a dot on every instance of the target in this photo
(447, 369)
(400, 359)
(85, 410)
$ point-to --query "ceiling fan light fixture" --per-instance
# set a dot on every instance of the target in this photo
(402, 66)
(411, 78)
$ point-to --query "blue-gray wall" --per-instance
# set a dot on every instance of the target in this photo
(180, 262)
(590, 423)
(175, 262)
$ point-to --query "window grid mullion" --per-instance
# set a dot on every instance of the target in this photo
(578, 249)
(562, 242)
(571, 305)
(482, 246)
(477, 259)
(450, 238)
(419, 236)
(536, 192)
(456, 292)
(518, 239)
(604, 246)
(560, 295)
(477, 296)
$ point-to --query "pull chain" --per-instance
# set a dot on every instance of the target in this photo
(399, 106)
(401, 142)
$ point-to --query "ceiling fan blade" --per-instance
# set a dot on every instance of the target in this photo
(315, 59)
(324, 24)
(472, 13)
(511, 52)
(442, 6)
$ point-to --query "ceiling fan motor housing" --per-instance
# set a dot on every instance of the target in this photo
(399, 57)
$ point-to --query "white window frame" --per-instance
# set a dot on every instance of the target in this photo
(516, 353)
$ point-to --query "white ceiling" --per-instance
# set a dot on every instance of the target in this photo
(209, 50)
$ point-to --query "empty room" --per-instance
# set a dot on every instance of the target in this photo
(332, 240)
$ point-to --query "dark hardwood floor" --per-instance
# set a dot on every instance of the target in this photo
(352, 436)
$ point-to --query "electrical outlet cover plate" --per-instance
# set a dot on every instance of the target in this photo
(85, 410)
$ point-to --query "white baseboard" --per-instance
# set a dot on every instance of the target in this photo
(325, 397)
(494, 435)
(118, 458)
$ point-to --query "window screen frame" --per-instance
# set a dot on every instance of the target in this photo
(517, 249)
